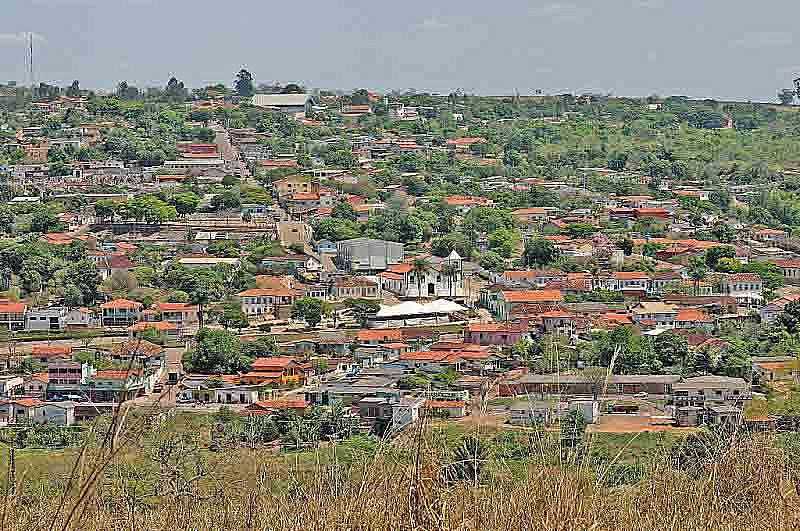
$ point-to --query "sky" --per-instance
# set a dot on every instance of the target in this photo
(725, 49)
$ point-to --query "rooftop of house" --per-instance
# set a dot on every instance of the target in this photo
(137, 348)
(160, 326)
(115, 374)
(121, 304)
(533, 296)
(380, 335)
(268, 292)
(277, 363)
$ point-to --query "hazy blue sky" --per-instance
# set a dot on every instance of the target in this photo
(721, 48)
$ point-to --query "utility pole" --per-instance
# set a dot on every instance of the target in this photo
(12, 470)
(30, 47)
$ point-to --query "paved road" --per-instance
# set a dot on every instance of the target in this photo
(228, 152)
(224, 143)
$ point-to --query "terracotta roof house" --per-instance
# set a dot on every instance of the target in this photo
(691, 318)
(12, 315)
(495, 333)
(181, 314)
(279, 370)
(507, 302)
(45, 353)
(121, 312)
(375, 337)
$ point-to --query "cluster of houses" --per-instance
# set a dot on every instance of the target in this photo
(69, 388)
(691, 402)
(387, 366)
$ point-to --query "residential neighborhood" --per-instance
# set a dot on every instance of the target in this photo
(251, 269)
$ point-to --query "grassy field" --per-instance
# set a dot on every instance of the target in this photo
(164, 476)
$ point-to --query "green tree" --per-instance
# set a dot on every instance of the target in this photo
(344, 210)
(73, 298)
(672, 349)
(539, 252)
(310, 309)
(74, 90)
(262, 347)
(457, 241)
(175, 91)
(30, 366)
(185, 203)
(723, 233)
(6, 219)
(363, 308)
(626, 244)
(84, 276)
(217, 352)
(790, 318)
(580, 230)
(714, 254)
(469, 460)
(105, 209)
(45, 220)
(504, 241)
(697, 271)
(650, 249)
(244, 84)
(491, 261)
(232, 315)
(336, 229)
(786, 96)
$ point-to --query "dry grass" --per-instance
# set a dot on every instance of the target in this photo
(124, 481)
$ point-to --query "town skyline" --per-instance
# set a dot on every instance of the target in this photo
(627, 48)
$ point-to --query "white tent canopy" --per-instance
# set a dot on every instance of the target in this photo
(440, 306)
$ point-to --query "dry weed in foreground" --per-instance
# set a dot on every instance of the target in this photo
(400, 486)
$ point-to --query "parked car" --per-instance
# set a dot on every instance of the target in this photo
(75, 398)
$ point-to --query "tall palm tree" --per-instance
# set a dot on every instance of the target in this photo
(450, 271)
(420, 266)
(697, 271)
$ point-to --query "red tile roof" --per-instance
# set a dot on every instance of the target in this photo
(51, 350)
(277, 363)
(533, 273)
(175, 307)
(24, 402)
(268, 292)
(13, 307)
(305, 196)
(464, 200)
(112, 374)
(532, 296)
(529, 211)
(380, 335)
(695, 316)
(156, 325)
(137, 347)
(434, 404)
(426, 355)
(631, 275)
(121, 304)
(465, 141)
(400, 268)
(557, 314)
(744, 277)
(278, 163)
(495, 327)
